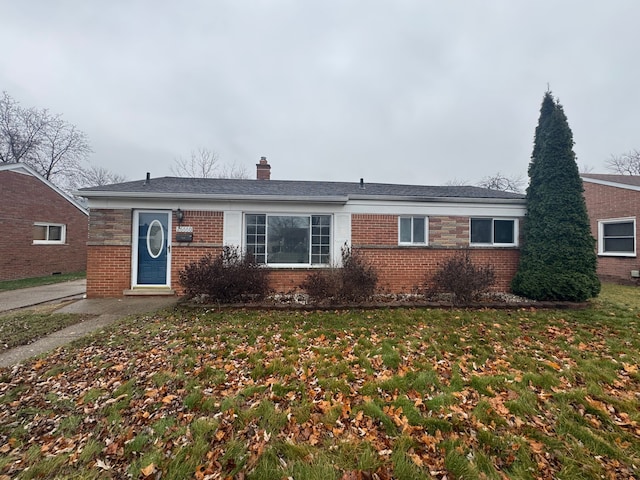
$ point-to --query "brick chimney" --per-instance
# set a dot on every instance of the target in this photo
(263, 169)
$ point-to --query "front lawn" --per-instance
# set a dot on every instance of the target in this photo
(39, 281)
(26, 326)
(407, 393)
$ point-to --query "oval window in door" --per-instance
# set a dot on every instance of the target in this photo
(155, 239)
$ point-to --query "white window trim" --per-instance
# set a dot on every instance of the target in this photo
(602, 223)
(292, 265)
(63, 233)
(426, 230)
(516, 233)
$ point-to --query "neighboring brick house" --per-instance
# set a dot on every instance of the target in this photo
(613, 203)
(143, 233)
(44, 230)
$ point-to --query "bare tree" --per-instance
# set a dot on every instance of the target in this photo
(95, 176)
(503, 183)
(204, 163)
(49, 144)
(20, 130)
(625, 164)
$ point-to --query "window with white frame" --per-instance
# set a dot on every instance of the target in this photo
(617, 237)
(412, 230)
(49, 233)
(494, 231)
(289, 239)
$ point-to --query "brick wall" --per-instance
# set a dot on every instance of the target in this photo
(401, 269)
(25, 200)
(605, 202)
(207, 239)
(110, 254)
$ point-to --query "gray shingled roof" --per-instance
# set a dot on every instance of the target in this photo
(183, 187)
(605, 177)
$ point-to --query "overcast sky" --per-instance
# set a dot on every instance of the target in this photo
(402, 91)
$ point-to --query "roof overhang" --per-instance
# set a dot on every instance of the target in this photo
(341, 200)
(609, 183)
(325, 199)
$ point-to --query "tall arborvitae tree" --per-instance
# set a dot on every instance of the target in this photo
(557, 259)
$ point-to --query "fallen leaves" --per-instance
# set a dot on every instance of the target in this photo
(246, 392)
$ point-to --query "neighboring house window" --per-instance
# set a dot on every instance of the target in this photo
(617, 237)
(412, 231)
(44, 233)
(289, 239)
(494, 231)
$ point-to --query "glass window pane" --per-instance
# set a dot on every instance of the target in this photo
(288, 239)
(618, 245)
(321, 238)
(39, 232)
(418, 230)
(481, 230)
(622, 229)
(503, 231)
(405, 230)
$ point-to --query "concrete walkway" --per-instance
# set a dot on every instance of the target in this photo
(28, 297)
(105, 311)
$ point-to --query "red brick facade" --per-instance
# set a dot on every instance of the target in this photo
(401, 269)
(25, 200)
(608, 202)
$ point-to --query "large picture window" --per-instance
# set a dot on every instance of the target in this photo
(617, 237)
(494, 231)
(49, 233)
(412, 231)
(289, 239)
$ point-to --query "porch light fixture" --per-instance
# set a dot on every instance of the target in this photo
(180, 215)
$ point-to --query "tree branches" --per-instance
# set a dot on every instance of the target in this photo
(625, 164)
(47, 143)
(204, 163)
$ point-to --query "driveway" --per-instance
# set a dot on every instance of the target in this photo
(28, 297)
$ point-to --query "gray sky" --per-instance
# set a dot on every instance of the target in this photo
(402, 91)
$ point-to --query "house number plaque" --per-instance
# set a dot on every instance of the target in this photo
(184, 233)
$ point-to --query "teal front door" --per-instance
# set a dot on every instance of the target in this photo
(153, 248)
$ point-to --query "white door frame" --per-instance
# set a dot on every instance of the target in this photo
(135, 242)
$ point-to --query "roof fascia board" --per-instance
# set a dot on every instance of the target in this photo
(437, 199)
(608, 183)
(357, 207)
(295, 198)
(213, 197)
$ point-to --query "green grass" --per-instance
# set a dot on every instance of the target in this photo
(25, 326)
(407, 393)
(39, 281)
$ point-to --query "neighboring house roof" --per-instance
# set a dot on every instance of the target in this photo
(630, 182)
(27, 170)
(241, 189)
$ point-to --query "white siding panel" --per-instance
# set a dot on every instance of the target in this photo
(341, 234)
(232, 228)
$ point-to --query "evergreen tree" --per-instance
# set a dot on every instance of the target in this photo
(557, 259)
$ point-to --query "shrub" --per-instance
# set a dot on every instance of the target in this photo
(354, 281)
(228, 277)
(460, 278)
